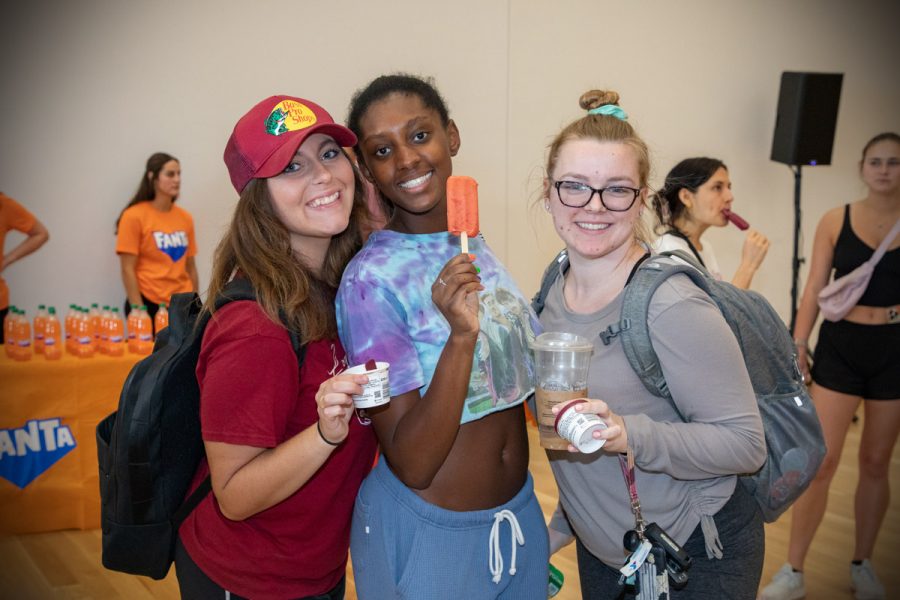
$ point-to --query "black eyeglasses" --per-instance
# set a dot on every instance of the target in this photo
(617, 198)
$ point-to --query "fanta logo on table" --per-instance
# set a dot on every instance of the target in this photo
(30, 450)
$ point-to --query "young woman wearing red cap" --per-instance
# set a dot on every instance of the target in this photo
(285, 452)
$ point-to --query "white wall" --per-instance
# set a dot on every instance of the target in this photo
(93, 87)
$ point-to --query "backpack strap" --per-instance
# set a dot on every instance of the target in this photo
(637, 345)
(192, 501)
(555, 269)
(240, 288)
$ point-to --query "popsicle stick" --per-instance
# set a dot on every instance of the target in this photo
(464, 242)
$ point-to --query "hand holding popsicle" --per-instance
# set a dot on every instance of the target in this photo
(455, 294)
(462, 208)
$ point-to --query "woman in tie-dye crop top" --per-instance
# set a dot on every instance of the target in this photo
(452, 481)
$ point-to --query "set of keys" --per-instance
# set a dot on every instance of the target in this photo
(656, 562)
(644, 574)
(655, 557)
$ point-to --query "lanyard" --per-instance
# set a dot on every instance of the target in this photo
(628, 472)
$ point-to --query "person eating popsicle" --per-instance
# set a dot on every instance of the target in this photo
(449, 510)
(696, 196)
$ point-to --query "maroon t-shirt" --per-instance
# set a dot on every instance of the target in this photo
(251, 395)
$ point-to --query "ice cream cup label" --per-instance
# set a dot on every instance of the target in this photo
(377, 391)
(579, 428)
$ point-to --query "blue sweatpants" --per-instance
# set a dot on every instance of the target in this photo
(404, 548)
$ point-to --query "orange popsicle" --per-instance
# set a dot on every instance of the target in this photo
(462, 208)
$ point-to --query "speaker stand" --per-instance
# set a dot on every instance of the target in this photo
(797, 261)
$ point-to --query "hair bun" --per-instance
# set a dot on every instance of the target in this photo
(594, 98)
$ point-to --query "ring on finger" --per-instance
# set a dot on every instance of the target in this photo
(441, 281)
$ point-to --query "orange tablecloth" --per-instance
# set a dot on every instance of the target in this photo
(77, 392)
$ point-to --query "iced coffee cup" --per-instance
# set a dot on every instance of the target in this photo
(377, 391)
(561, 366)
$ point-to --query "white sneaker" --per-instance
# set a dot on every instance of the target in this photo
(785, 585)
(864, 582)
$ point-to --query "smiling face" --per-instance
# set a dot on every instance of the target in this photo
(406, 152)
(168, 181)
(705, 206)
(313, 197)
(881, 167)
(592, 231)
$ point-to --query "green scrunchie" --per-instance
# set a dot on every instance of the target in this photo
(610, 110)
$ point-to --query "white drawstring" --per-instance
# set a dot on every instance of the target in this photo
(495, 558)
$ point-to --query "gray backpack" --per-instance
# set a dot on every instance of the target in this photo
(794, 438)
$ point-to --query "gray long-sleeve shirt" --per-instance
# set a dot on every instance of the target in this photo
(685, 471)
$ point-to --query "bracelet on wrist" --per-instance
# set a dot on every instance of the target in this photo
(800, 343)
(325, 439)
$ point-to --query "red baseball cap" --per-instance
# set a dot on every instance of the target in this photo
(266, 138)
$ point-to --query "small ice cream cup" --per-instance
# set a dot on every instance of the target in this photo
(579, 428)
(377, 391)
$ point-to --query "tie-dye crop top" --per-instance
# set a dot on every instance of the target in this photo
(385, 312)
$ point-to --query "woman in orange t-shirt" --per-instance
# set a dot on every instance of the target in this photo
(14, 216)
(155, 238)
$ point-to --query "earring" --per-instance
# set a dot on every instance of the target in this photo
(547, 204)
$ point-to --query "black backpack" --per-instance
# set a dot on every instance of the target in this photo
(149, 449)
(794, 441)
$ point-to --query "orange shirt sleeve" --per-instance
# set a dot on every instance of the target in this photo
(128, 240)
(17, 216)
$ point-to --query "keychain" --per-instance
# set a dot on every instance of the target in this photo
(654, 556)
(653, 581)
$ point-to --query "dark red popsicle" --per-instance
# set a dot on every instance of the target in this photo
(736, 219)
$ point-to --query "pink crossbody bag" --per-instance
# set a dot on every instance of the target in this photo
(838, 297)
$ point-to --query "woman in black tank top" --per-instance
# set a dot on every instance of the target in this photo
(857, 361)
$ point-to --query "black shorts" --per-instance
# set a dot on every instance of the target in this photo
(862, 360)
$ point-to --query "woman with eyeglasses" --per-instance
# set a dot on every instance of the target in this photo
(696, 196)
(684, 470)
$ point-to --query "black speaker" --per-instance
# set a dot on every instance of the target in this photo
(807, 115)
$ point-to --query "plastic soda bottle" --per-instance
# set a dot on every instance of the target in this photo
(40, 324)
(85, 336)
(161, 319)
(9, 327)
(144, 343)
(94, 317)
(132, 329)
(52, 336)
(23, 337)
(103, 331)
(116, 343)
(71, 333)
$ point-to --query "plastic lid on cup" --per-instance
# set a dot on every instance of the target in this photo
(556, 341)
